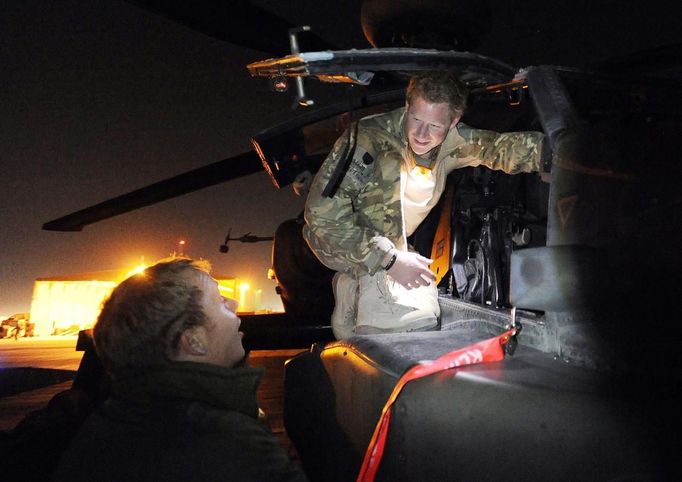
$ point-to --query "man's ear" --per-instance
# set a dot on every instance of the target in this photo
(455, 120)
(191, 343)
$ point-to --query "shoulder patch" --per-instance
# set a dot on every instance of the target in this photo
(361, 166)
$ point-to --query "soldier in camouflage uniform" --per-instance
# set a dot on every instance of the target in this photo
(396, 175)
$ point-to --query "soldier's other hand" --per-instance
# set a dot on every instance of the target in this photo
(411, 270)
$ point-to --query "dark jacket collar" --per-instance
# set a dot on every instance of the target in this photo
(223, 388)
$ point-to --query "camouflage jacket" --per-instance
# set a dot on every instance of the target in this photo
(354, 230)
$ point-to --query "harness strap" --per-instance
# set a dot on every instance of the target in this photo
(342, 167)
(482, 352)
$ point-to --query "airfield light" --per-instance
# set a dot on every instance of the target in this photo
(226, 291)
(243, 288)
(136, 270)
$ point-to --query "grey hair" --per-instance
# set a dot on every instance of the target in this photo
(142, 320)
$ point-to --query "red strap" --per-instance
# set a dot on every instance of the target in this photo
(482, 352)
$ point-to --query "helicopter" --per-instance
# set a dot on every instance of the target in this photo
(540, 251)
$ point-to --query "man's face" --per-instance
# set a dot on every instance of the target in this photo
(222, 338)
(427, 124)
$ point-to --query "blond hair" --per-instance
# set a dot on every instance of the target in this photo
(439, 87)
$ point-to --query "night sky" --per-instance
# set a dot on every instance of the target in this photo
(99, 97)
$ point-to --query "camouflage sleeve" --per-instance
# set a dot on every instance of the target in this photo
(333, 230)
(511, 152)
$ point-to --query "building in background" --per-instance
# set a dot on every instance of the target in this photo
(66, 304)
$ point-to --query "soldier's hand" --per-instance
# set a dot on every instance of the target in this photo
(411, 270)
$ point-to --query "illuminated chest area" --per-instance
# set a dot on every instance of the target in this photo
(419, 188)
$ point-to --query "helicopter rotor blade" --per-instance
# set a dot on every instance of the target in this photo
(206, 176)
(239, 22)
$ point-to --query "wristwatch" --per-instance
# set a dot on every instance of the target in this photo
(391, 262)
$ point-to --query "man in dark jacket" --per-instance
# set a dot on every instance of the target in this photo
(181, 407)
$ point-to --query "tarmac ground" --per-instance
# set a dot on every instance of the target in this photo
(33, 370)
